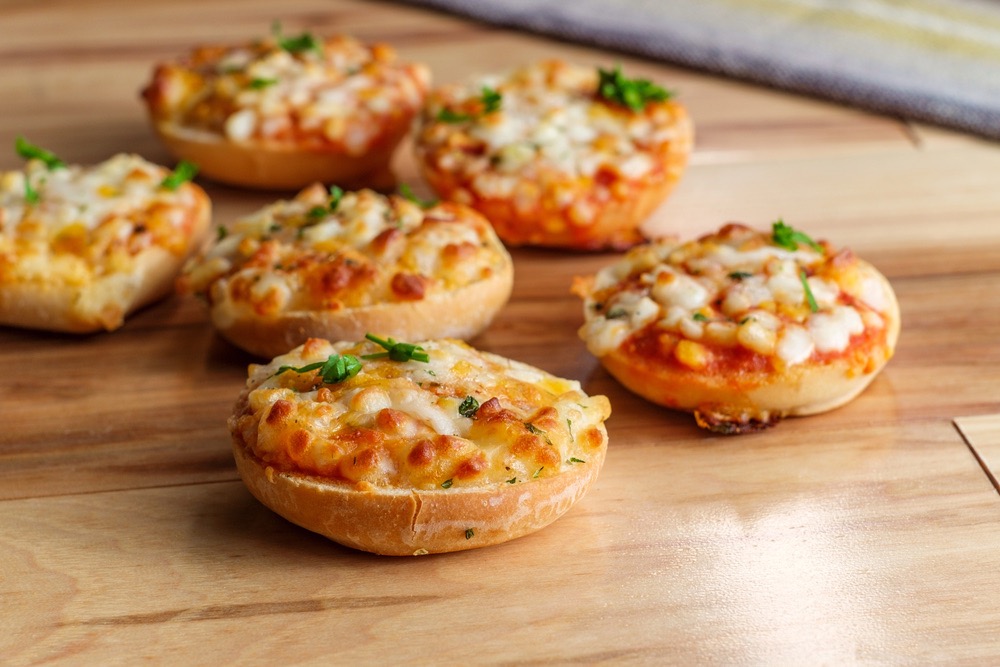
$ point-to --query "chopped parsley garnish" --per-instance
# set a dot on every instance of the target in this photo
(31, 195)
(336, 194)
(512, 480)
(469, 533)
(537, 472)
(30, 151)
(740, 275)
(569, 427)
(221, 233)
(616, 314)
(336, 368)
(407, 192)
(699, 317)
(573, 459)
(298, 44)
(396, 351)
(489, 99)
(183, 172)
(446, 484)
(318, 212)
(632, 93)
(813, 306)
(537, 431)
(789, 238)
(260, 84)
(469, 407)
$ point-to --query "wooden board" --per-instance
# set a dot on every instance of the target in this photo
(870, 534)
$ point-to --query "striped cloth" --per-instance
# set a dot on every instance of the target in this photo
(928, 60)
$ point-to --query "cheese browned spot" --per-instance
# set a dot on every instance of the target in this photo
(555, 163)
(397, 460)
(740, 329)
(93, 243)
(300, 258)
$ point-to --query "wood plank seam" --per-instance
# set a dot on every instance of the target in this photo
(967, 437)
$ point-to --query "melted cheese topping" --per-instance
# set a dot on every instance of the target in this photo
(89, 222)
(736, 298)
(341, 93)
(299, 255)
(553, 145)
(397, 424)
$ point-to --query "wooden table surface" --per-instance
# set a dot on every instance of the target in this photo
(867, 535)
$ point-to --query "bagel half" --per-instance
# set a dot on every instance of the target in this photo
(95, 243)
(282, 113)
(550, 160)
(396, 460)
(741, 327)
(311, 267)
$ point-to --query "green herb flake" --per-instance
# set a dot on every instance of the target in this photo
(635, 94)
(407, 192)
(259, 83)
(512, 480)
(182, 173)
(221, 233)
(396, 351)
(469, 407)
(317, 212)
(469, 533)
(789, 238)
(446, 484)
(616, 314)
(30, 151)
(740, 275)
(569, 427)
(573, 459)
(699, 317)
(298, 44)
(336, 194)
(336, 368)
(537, 473)
(813, 306)
(489, 100)
(31, 195)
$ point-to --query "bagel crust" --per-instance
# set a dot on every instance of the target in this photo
(337, 266)
(550, 161)
(83, 247)
(741, 327)
(282, 113)
(408, 457)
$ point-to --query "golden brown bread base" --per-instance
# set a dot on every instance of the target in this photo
(753, 401)
(104, 304)
(277, 166)
(462, 313)
(396, 522)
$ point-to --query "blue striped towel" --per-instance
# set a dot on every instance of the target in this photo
(927, 60)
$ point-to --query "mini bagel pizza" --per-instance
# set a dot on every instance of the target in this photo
(335, 265)
(284, 112)
(555, 154)
(82, 247)
(404, 449)
(742, 327)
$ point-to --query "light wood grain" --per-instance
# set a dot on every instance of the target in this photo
(868, 535)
